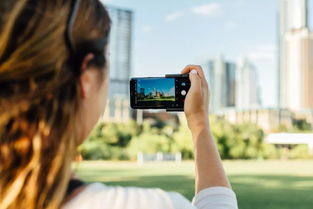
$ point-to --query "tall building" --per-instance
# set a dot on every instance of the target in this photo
(293, 14)
(222, 80)
(120, 64)
(295, 56)
(247, 86)
(298, 71)
(120, 52)
(233, 86)
(230, 89)
(142, 91)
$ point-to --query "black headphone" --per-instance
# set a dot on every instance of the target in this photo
(79, 52)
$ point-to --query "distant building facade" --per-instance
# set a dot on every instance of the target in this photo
(298, 71)
(247, 86)
(222, 80)
(120, 51)
(267, 119)
(295, 56)
(118, 111)
(120, 64)
(233, 85)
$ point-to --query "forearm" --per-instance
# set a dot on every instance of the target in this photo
(209, 168)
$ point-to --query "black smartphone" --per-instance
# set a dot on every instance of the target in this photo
(167, 92)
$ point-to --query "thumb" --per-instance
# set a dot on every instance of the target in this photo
(195, 80)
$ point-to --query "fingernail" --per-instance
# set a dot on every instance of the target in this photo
(194, 72)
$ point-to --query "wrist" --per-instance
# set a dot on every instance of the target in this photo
(198, 122)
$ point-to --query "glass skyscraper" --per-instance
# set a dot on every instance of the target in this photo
(120, 52)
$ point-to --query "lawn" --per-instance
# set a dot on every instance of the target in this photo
(258, 184)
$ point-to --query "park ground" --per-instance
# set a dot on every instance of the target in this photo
(258, 184)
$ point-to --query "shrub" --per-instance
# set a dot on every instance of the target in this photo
(299, 152)
(124, 141)
(149, 143)
(269, 151)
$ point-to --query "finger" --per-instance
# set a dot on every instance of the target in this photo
(200, 72)
(189, 68)
(195, 80)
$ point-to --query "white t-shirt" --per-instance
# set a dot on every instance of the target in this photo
(100, 196)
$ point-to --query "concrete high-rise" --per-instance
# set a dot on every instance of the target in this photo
(233, 85)
(295, 56)
(222, 80)
(298, 72)
(247, 86)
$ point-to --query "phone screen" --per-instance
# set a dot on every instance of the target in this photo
(159, 93)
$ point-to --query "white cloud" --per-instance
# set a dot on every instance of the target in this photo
(211, 9)
(173, 16)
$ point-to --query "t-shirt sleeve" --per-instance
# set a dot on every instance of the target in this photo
(215, 198)
(99, 196)
(178, 201)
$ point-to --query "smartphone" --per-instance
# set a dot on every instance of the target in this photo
(167, 92)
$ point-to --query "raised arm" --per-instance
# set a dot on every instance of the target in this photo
(209, 169)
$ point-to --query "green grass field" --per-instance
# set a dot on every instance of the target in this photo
(258, 184)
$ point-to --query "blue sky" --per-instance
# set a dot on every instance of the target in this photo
(161, 85)
(169, 34)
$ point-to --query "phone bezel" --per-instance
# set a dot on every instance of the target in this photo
(167, 106)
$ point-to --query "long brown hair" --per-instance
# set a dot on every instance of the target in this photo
(40, 96)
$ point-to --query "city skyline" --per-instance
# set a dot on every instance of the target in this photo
(166, 86)
(233, 85)
(168, 38)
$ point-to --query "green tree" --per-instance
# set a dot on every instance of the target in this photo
(109, 141)
(183, 142)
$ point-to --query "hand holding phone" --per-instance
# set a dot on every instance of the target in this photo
(167, 92)
(197, 101)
